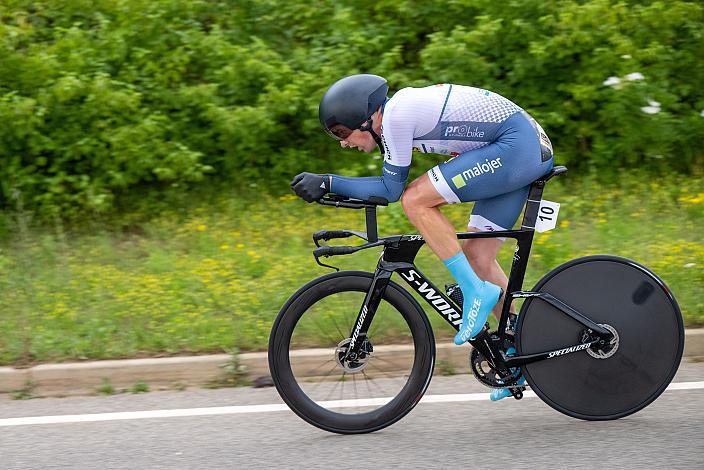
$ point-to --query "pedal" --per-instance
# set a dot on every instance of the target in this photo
(517, 392)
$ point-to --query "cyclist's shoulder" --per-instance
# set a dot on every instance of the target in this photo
(459, 89)
(410, 93)
(415, 100)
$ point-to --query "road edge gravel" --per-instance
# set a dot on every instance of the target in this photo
(86, 378)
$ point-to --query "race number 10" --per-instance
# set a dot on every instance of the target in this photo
(547, 215)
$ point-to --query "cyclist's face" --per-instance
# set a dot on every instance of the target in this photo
(360, 140)
(363, 140)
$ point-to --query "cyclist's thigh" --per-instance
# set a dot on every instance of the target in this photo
(498, 212)
(510, 163)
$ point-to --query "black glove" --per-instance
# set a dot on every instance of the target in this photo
(310, 187)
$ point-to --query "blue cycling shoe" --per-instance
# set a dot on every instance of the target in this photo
(499, 393)
(476, 310)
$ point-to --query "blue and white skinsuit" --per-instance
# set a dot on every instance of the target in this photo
(496, 151)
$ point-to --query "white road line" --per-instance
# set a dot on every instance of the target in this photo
(228, 410)
(685, 385)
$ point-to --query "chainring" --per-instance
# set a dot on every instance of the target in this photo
(487, 375)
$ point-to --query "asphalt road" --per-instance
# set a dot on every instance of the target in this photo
(475, 434)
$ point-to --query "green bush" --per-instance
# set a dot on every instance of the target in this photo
(102, 100)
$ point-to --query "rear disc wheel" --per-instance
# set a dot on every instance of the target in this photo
(609, 380)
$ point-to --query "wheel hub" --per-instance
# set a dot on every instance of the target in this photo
(604, 349)
(355, 362)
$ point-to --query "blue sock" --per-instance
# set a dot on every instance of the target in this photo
(463, 273)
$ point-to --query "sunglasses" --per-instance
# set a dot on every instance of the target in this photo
(341, 132)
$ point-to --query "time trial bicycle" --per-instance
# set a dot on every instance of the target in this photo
(598, 337)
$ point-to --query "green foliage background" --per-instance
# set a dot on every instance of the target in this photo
(158, 127)
(104, 99)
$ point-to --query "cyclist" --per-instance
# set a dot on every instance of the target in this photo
(496, 151)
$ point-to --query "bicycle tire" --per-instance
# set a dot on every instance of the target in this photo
(290, 390)
(614, 291)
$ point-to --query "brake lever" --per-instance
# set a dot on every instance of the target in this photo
(317, 260)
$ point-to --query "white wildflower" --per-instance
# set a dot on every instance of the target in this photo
(612, 81)
(626, 56)
(702, 113)
(690, 265)
(635, 76)
(652, 108)
(371, 167)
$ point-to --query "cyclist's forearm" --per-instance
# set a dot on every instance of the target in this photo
(389, 186)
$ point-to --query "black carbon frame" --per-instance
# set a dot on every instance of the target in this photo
(399, 256)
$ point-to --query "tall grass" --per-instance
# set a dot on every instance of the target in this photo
(209, 277)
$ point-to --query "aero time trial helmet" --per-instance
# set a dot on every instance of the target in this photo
(349, 104)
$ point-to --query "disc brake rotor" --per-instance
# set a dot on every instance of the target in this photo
(358, 363)
(605, 350)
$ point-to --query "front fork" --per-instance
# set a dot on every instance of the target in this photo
(366, 314)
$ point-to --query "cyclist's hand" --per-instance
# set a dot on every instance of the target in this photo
(309, 186)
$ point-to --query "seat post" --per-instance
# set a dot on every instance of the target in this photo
(535, 195)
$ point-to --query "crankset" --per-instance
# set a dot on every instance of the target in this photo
(485, 373)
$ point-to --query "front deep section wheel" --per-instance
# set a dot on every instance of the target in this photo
(321, 384)
(615, 379)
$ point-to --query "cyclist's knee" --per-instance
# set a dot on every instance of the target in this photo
(419, 195)
(409, 200)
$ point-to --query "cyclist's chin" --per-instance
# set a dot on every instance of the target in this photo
(363, 148)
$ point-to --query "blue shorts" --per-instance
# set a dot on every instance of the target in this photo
(498, 175)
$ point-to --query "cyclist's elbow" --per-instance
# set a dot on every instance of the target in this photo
(394, 195)
(393, 191)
